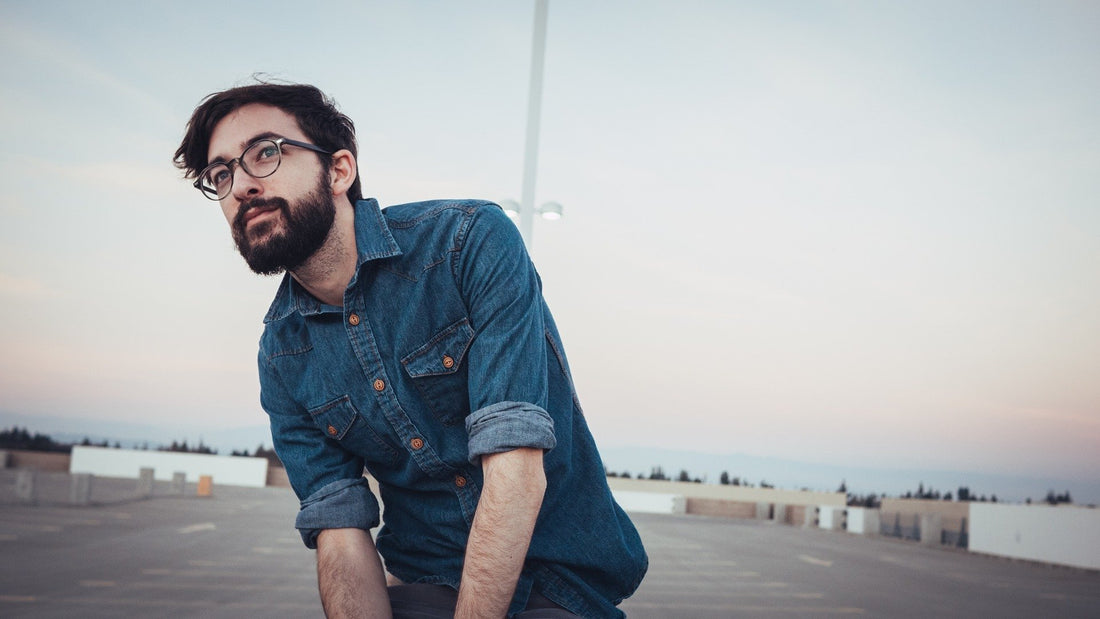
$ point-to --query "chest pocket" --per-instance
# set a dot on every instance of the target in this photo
(439, 372)
(340, 422)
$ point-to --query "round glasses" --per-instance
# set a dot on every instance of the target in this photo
(259, 160)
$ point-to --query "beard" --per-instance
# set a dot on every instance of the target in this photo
(306, 226)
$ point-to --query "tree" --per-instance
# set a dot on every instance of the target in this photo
(724, 478)
(684, 476)
(843, 486)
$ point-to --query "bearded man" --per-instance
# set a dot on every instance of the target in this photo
(413, 342)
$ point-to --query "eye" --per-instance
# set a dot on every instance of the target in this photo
(216, 177)
(268, 150)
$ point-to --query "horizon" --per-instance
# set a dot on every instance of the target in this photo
(821, 231)
(640, 460)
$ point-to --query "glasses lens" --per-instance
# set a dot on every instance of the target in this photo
(261, 159)
(216, 181)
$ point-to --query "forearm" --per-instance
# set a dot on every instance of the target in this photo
(505, 519)
(350, 576)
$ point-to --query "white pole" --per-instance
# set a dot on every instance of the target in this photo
(534, 104)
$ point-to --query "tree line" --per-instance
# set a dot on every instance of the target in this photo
(22, 439)
(962, 494)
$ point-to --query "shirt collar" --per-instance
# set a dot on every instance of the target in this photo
(373, 241)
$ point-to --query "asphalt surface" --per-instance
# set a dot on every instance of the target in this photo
(235, 554)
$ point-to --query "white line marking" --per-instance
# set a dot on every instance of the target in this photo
(195, 528)
(815, 561)
(18, 598)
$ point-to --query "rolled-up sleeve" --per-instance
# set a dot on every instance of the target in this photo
(328, 479)
(342, 504)
(507, 359)
(505, 426)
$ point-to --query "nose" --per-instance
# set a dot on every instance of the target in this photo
(244, 185)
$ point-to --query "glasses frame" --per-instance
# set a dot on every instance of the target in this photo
(238, 161)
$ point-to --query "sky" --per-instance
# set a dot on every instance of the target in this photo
(854, 233)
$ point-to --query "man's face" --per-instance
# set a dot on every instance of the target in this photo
(279, 221)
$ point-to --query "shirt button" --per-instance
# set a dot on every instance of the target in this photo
(379, 384)
(332, 430)
(448, 362)
(353, 320)
(460, 481)
(416, 443)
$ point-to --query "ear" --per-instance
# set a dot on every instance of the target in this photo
(342, 172)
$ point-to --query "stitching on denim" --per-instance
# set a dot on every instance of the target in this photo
(561, 365)
(388, 269)
(286, 353)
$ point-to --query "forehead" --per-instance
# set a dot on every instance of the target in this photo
(244, 124)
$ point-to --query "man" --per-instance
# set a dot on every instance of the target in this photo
(413, 341)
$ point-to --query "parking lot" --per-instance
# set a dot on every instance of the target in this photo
(236, 554)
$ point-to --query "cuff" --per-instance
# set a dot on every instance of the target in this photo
(505, 426)
(342, 504)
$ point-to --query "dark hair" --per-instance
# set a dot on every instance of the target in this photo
(315, 113)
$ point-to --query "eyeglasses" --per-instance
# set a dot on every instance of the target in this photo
(259, 160)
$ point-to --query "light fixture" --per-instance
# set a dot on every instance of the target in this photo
(550, 210)
(511, 208)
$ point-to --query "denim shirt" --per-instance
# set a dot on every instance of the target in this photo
(443, 351)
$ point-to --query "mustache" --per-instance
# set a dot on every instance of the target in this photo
(238, 219)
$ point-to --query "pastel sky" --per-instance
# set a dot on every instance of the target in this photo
(846, 232)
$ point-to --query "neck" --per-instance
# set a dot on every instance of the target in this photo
(328, 272)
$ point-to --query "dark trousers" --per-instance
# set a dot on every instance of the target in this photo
(438, 602)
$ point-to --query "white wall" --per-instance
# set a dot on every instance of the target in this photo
(1065, 535)
(863, 521)
(830, 517)
(650, 502)
(226, 470)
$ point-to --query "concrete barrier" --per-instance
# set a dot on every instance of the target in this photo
(931, 529)
(229, 470)
(831, 517)
(864, 521)
(5, 457)
(1064, 535)
(810, 517)
(763, 511)
(179, 483)
(145, 482)
(650, 503)
(80, 489)
(25, 489)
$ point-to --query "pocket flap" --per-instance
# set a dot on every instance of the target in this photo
(443, 353)
(334, 418)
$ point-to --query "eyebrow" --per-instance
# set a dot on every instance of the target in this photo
(264, 135)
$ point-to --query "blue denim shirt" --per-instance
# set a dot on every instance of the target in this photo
(443, 351)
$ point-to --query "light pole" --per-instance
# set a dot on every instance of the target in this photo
(526, 208)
